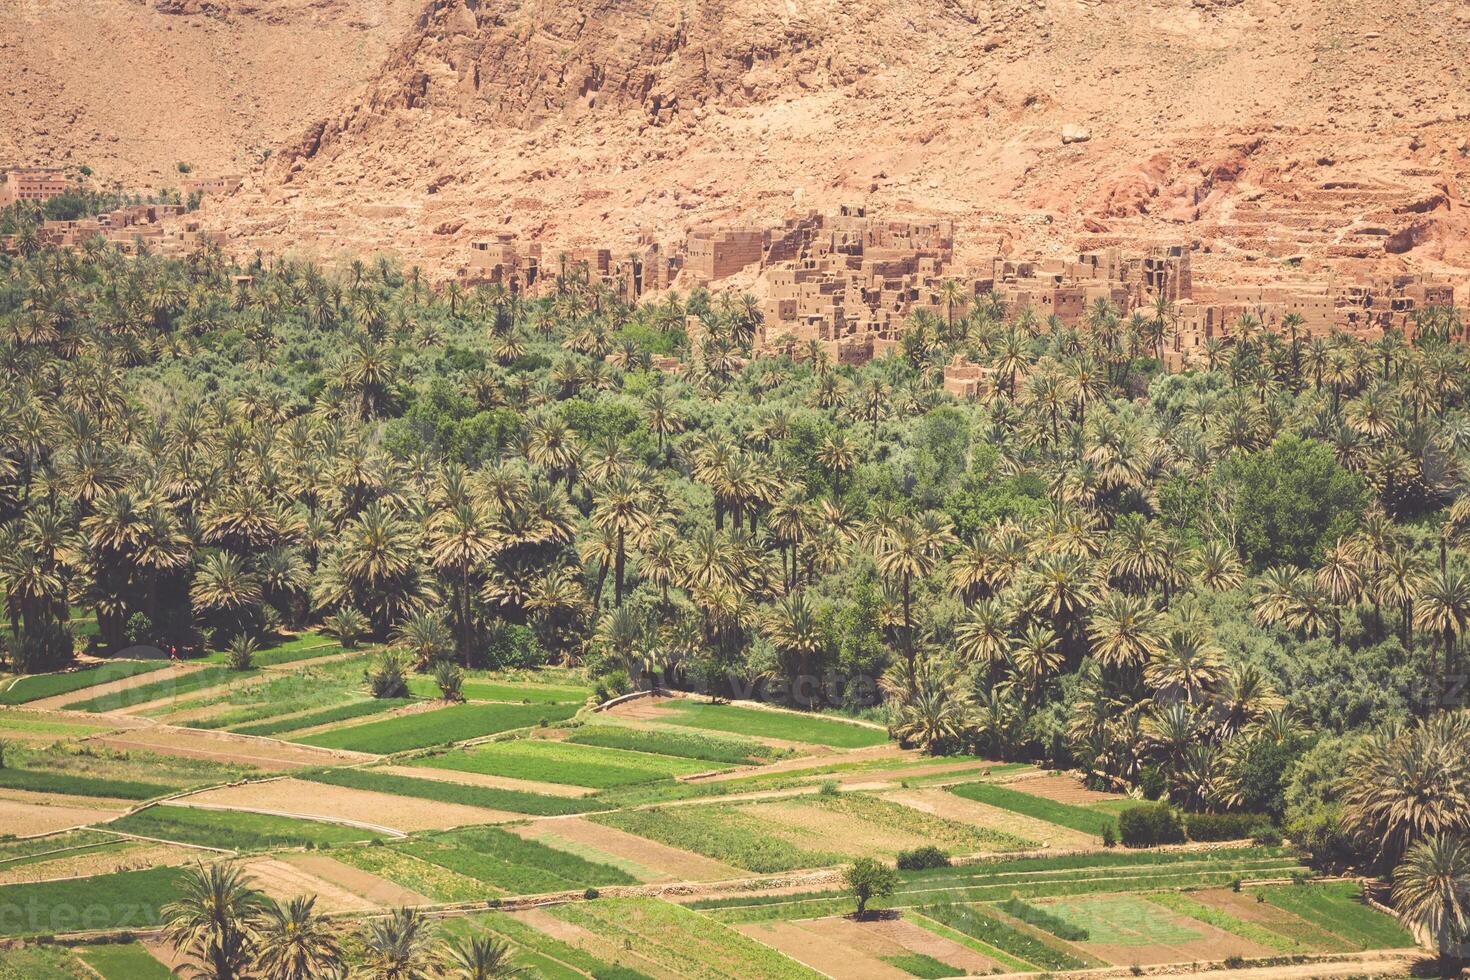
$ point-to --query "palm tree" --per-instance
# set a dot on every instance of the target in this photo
(1124, 631)
(1443, 607)
(933, 707)
(399, 946)
(1431, 892)
(907, 551)
(461, 539)
(838, 455)
(1405, 785)
(296, 942)
(793, 626)
(622, 509)
(480, 958)
(215, 921)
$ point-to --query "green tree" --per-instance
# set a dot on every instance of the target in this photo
(866, 880)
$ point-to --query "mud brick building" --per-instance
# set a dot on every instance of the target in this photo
(224, 184)
(32, 185)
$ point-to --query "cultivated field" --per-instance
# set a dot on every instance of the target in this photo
(668, 838)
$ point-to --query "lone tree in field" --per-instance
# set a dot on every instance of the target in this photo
(867, 880)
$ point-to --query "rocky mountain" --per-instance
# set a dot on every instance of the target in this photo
(133, 87)
(1268, 130)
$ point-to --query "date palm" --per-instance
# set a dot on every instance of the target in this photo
(296, 942)
(623, 511)
(480, 958)
(906, 552)
(1443, 608)
(215, 921)
(1431, 891)
(1124, 631)
(1405, 785)
(399, 947)
(460, 540)
(794, 627)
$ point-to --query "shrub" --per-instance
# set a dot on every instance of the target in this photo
(41, 648)
(611, 685)
(590, 894)
(1150, 824)
(450, 680)
(1265, 833)
(388, 678)
(1224, 826)
(241, 653)
(1109, 836)
(921, 858)
(139, 629)
(867, 880)
(829, 787)
(347, 625)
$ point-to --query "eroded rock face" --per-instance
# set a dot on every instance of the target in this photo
(1245, 124)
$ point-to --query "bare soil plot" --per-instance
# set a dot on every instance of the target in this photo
(223, 747)
(46, 727)
(822, 945)
(1062, 788)
(97, 861)
(942, 803)
(487, 780)
(126, 684)
(25, 819)
(377, 891)
(917, 939)
(1126, 929)
(322, 801)
(667, 863)
(590, 942)
(283, 881)
(817, 829)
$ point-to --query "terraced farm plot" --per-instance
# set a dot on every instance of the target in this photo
(124, 961)
(44, 963)
(1125, 929)
(1338, 907)
(36, 728)
(308, 646)
(509, 864)
(1008, 939)
(541, 760)
(116, 854)
(784, 725)
(324, 716)
(415, 875)
(24, 817)
(438, 727)
(728, 834)
(680, 941)
(45, 781)
(348, 805)
(861, 825)
(233, 829)
(708, 748)
(274, 694)
(172, 687)
(38, 686)
(880, 949)
(487, 797)
(512, 692)
(1297, 933)
(1039, 807)
(220, 749)
(641, 857)
(124, 900)
(941, 802)
(548, 957)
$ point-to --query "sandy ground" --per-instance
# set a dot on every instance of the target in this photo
(1062, 789)
(377, 891)
(283, 881)
(484, 779)
(98, 861)
(666, 863)
(917, 939)
(591, 942)
(126, 684)
(27, 819)
(402, 813)
(223, 747)
(942, 803)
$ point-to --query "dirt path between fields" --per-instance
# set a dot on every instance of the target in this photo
(111, 687)
(486, 780)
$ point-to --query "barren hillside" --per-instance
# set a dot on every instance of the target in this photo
(132, 87)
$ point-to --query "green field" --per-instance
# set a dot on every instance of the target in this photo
(326, 716)
(189, 683)
(1338, 907)
(489, 797)
(979, 923)
(708, 748)
(42, 781)
(428, 879)
(235, 829)
(1279, 939)
(307, 646)
(922, 965)
(679, 941)
(1076, 817)
(44, 963)
(508, 691)
(510, 864)
(1121, 920)
(787, 725)
(124, 961)
(39, 686)
(122, 900)
(32, 723)
(721, 831)
(545, 761)
(439, 727)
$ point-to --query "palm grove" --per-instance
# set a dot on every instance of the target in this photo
(1224, 587)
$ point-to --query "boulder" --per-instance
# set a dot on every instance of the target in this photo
(1073, 133)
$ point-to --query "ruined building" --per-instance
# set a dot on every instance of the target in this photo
(32, 184)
